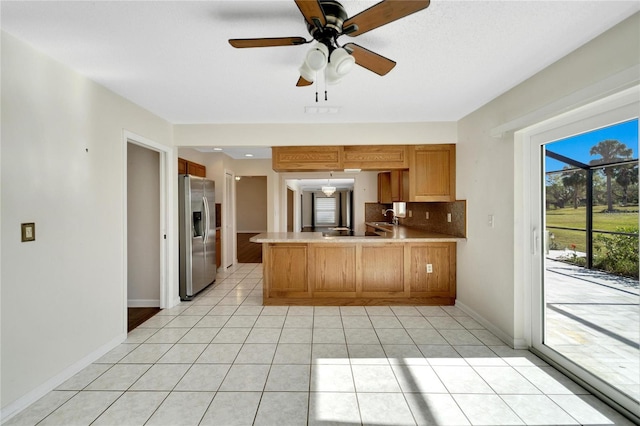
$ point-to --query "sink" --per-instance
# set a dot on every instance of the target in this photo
(383, 225)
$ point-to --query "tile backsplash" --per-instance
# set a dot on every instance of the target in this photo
(437, 221)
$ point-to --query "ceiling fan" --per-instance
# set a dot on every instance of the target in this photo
(327, 20)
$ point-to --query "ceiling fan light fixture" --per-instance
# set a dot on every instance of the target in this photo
(307, 73)
(317, 57)
(341, 61)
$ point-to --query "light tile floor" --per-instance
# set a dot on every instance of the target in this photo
(224, 359)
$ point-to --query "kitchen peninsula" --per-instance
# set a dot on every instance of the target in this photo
(390, 265)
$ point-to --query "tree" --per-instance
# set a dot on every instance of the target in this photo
(556, 193)
(610, 151)
(575, 180)
(626, 176)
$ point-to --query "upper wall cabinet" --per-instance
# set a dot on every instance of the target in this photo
(393, 186)
(375, 157)
(306, 158)
(432, 172)
(191, 168)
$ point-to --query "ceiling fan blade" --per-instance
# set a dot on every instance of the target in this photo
(382, 13)
(266, 42)
(370, 60)
(311, 9)
(302, 82)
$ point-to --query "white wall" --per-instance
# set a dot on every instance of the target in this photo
(63, 295)
(490, 274)
(314, 134)
(143, 226)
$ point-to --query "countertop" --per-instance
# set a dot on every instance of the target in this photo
(389, 233)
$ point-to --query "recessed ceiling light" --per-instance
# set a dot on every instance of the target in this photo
(217, 149)
(248, 155)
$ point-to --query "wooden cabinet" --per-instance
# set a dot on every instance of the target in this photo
(432, 172)
(218, 248)
(306, 158)
(382, 269)
(393, 186)
(432, 269)
(384, 187)
(375, 157)
(182, 166)
(354, 273)
(191, 168)
(287, 266)
(332, 270)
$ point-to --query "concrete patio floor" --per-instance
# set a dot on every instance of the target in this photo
(593, 319)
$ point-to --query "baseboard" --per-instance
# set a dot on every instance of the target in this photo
(143, 303)
(23, 402)
(250, 232)
(508, 340)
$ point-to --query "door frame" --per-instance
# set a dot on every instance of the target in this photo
(168, 220)
(229, 243)
(529, 232)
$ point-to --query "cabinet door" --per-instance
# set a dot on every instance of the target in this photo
(182, 166)
(384, 187)
(433, 269)
(399, 183)
(196, 169)
(375, 157)
(332, 270)
(287, 266)
(306, 158)
(382, 271)
(432, 172)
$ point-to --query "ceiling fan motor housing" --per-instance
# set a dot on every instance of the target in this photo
(335, 16)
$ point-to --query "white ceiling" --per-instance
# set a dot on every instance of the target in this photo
(173, 58)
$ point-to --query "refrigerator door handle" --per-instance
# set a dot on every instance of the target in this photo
(206, 222)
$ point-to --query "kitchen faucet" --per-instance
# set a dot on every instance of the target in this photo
(394, 220)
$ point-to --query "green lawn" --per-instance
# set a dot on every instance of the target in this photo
(576, 218)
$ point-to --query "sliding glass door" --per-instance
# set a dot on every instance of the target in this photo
(584, 219)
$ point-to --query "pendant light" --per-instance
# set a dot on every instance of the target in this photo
(328, 189)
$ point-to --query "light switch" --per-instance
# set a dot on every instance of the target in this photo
(28, 231)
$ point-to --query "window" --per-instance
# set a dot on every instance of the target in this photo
(325, 211)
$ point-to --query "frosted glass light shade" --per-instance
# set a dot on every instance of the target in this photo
(317, 57)
(307, 73)
(341, 61)
(340, 64)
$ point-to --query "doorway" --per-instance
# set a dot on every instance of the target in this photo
(251, 216)
(583, 309)
(143, 238)
(147, 252)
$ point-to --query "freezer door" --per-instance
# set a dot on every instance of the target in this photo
(198, 229)
(210, 235)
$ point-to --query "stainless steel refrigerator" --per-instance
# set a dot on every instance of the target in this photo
(197, 210)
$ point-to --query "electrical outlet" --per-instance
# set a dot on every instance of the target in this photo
(410, 213)
(426, 215)
(490, 221)
(448, 217)
(382, 212)
(429, 268)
